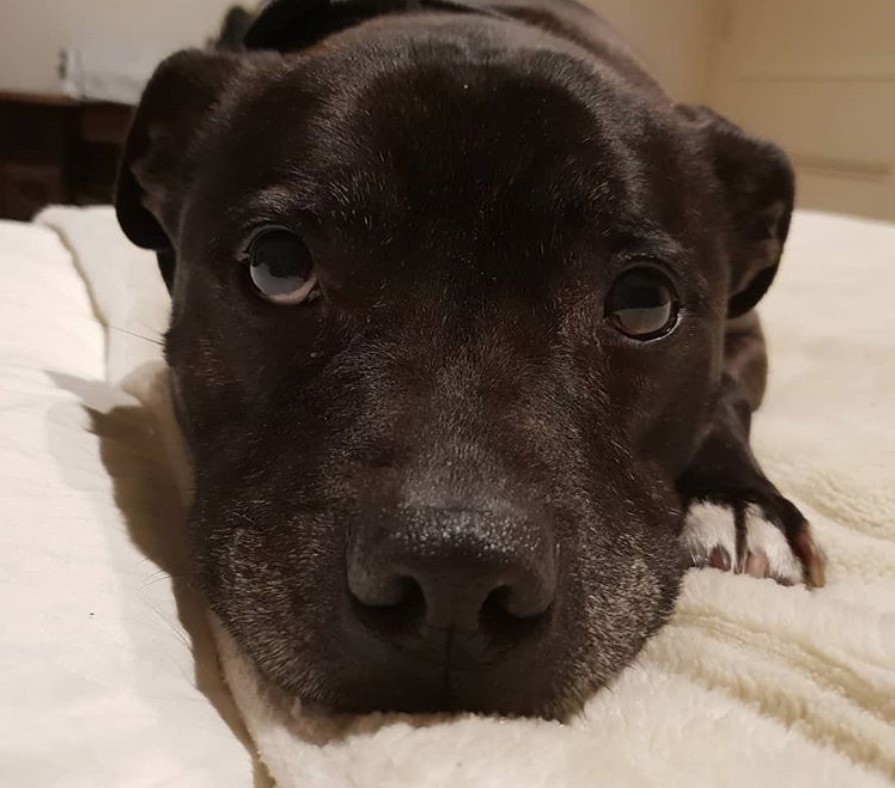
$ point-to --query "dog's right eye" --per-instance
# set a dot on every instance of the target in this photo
(642, 305)
(282, 268)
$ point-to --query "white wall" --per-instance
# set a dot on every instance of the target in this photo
(818, 77)
(671, 35)
(33, 31)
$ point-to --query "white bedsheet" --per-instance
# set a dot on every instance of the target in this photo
(107, 676)
(98, 682)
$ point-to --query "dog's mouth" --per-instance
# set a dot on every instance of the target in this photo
(447, 612)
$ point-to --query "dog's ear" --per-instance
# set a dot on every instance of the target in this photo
(758, 187)
(175, 110)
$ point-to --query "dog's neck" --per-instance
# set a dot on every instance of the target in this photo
(293, 25)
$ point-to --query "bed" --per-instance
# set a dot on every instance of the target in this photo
(113, 676)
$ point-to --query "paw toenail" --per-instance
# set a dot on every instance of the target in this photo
(720, 559)
(757, 564)
(812, 559)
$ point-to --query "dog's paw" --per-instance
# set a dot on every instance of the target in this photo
(772, 540)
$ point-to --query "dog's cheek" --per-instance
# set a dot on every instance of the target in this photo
(208, 394)
(623, 583)
(274, 582)
(663, 395)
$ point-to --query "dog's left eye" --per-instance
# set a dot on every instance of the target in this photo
(282, 268)
(642, 304)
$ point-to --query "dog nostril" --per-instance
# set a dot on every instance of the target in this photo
(395, 603)
(506, 610)
(415, 582)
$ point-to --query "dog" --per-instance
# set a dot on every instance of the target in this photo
(463, 345)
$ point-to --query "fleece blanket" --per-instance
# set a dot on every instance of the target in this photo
(751, 683)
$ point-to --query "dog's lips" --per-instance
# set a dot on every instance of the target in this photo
(443, 689)
(378, 675)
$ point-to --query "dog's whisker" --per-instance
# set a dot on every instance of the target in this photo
(244, 517)
(158, 342)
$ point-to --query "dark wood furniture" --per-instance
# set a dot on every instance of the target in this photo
(57, 150)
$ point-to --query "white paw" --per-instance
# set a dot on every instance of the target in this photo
(710, 538)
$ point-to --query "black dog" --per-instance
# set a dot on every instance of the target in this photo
(462, 329)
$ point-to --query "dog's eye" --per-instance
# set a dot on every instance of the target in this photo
(281, 268)
(642, 304)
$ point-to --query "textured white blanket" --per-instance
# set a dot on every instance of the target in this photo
(751, 684)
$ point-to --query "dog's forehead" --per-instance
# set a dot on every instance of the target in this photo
(395, 159)
(422, 133)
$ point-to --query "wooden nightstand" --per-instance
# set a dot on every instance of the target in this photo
(57, 150)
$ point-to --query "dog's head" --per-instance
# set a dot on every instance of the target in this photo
(448, 312)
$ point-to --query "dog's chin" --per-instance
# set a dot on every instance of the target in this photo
(465, 696)
(466, 691)
(462, 692)
(415, 689)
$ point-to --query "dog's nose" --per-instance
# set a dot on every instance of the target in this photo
(428, 573)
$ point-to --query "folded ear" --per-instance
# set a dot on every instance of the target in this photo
(758, 186)
(175, 111)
